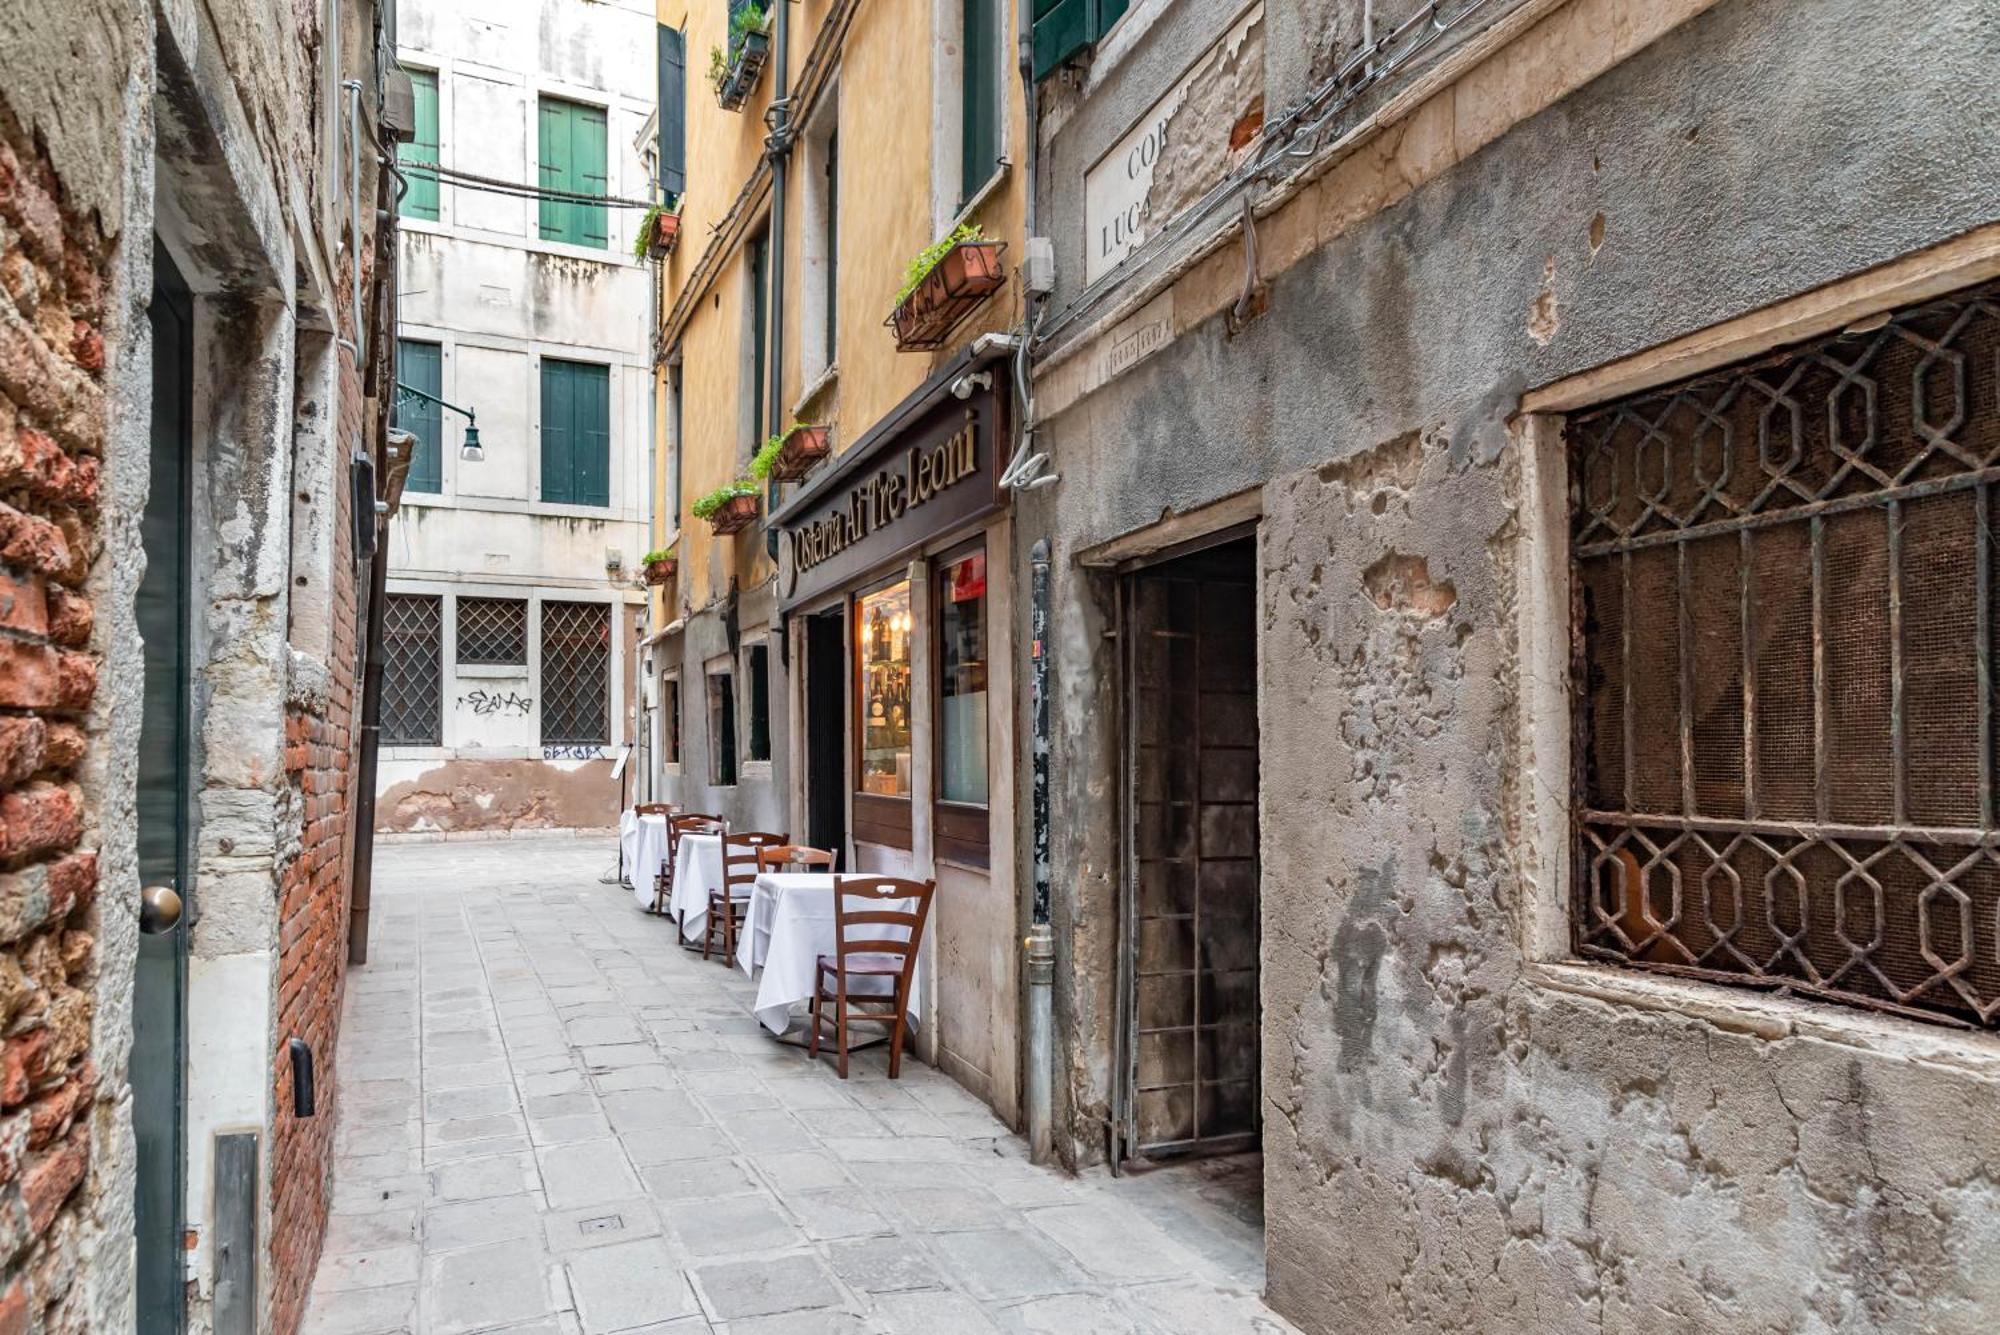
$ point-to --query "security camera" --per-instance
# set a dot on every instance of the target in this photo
(963, 387)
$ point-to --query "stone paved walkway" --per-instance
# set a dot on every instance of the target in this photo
(554, 1120)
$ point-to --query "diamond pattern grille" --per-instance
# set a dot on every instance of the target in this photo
(576, 674)
(493, 630)
(413, 670)
(1785, 614)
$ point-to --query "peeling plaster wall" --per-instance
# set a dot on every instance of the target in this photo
(1451, 1141)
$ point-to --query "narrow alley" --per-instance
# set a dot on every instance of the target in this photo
(553, 1119)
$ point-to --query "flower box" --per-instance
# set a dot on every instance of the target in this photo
(734, 515)
(956, 286)
(746, 63)
(666, 233)
(659, 572)
(804, 448)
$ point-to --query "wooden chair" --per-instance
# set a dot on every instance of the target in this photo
(728, 906)
(656, 808)
(691, 822)
(793, 857)
(876, 937)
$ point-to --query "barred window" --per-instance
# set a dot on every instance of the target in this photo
(576, 674)
(493, 631)
(1785, 611)
(413, 670)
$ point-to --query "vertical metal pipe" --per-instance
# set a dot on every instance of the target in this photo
(1747, 610)
(1041, 936)
(778, 148)
(1982, 652)
(1822, 781)
(1684, 632)
(353, 87)
(1898, 747)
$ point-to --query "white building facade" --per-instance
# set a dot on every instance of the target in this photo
(513, 576)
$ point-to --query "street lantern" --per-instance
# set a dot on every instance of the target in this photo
(470, 451)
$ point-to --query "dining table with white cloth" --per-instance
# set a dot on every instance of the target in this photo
(790, 924)
(645, 854)
(697, 870)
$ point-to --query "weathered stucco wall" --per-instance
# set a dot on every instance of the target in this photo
(1451, 1142)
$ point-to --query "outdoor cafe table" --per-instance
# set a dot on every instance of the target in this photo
(697, 870)
(789, 926)
(644, 839)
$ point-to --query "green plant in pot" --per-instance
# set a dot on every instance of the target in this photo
(660, 565)
(659, 229)
(730, 507)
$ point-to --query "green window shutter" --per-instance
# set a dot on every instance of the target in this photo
(589, 153)
(673, 110)
(760, 335)
(558, 433)
(1066, 28)
(979, 126)
(421, 366)
(576, 433)
(421, 199)
(593, 435)
(573, 152)
(553, 157)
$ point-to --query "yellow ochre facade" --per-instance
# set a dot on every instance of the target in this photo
(845, 705)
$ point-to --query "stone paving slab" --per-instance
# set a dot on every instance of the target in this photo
(555, 1121)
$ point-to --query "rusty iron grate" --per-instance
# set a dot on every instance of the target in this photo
(1784, 620)
(413, 670)
(493, 631)
(576, 674)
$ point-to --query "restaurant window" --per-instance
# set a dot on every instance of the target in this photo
(670, 703)
(576, 674)
(962, 681)
(493, 632)
(413, 670)
(757, 668)
(884, 652)
(1783, 701)
(721, 729)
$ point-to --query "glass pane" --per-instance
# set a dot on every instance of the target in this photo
(885, 692)
(962, 682)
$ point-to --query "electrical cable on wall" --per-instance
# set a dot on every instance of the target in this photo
(494, 186)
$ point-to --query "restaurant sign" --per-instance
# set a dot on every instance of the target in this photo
(913, 487)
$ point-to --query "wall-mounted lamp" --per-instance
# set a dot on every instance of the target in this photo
(470, 451)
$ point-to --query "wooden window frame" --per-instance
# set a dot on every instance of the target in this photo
(962, 832)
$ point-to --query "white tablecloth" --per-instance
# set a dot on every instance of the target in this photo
(628, 829)
(790, 925)
(645, 854)
(697, 870)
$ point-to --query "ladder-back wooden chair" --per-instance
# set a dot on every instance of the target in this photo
(878, 924)
(661, 873)
(730, 905)
(688, 822)
(793, 857)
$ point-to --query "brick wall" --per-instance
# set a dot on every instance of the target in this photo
(52, 421)
(313, 907)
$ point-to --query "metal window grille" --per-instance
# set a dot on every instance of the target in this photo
(1784, 628)
(413, 670)
(493, 631)
(576, 674)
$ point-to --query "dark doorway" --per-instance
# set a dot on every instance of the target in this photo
(159, 988)
(1189, 941)
(826, 731)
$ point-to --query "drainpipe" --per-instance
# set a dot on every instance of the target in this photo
(778, 147)
(371, 750)
(1041, 941)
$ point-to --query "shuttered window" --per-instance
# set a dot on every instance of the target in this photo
(673, 110)
(576, 433)
(421, 366)
(573, 159)
(979, 126)
(1065, 28)
(421, 199)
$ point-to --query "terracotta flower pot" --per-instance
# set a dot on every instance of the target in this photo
(802, 451)
(659, 572)
(737, 513)
(969, 273)
(666, 232)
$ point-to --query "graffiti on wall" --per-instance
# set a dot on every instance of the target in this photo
(572, 753)
(483, 703)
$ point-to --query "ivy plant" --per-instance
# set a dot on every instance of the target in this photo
(933, 255)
